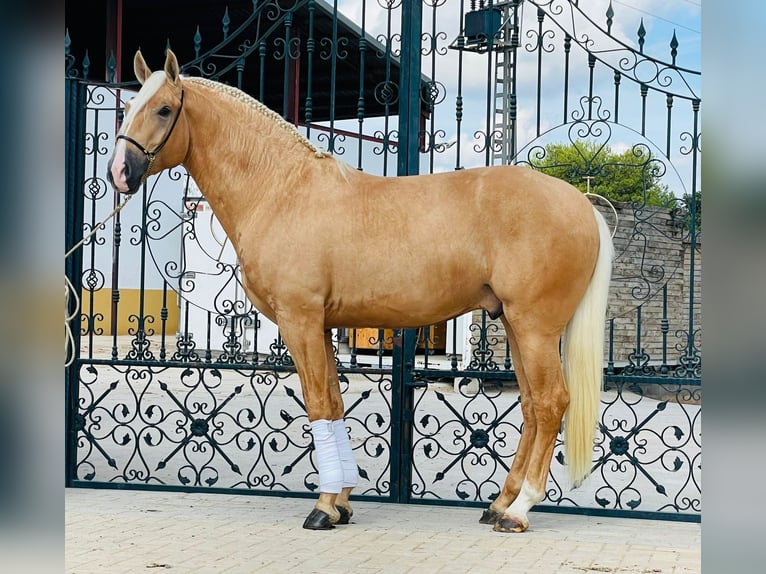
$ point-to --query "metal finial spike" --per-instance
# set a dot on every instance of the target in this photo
(674, 47)
(198, 42)
(85, 64)
(609, 17)
(226, 21)
(111, 67)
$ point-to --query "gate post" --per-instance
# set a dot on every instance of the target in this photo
(74, 152)
(402, 406)
(407, 164)
(409, 89)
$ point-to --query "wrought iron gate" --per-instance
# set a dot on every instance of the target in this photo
(177, 382)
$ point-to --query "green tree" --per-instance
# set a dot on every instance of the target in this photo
(694, 202)
(632, 176)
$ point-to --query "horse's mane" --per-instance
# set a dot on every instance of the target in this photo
(260, 108)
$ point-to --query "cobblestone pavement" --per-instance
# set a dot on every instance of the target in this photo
(130, 531)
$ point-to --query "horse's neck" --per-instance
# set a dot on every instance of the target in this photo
(242, 160)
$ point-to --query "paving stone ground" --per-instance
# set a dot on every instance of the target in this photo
(132, 531)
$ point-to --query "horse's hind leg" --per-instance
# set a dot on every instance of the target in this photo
(347, 461)
(549, 399)
(306, 339)
(515, 477)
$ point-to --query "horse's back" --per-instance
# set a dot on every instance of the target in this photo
(488, 208)
(509, 191)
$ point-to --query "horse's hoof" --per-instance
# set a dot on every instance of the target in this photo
(345, 514)
(489, 516)
(318, 520)
(507, 523)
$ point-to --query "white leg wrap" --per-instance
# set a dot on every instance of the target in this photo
(347, 462)
(327, 457)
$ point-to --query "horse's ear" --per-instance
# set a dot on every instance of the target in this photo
(171, 67)
(140, 68)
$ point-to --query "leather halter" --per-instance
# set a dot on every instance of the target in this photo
(151, 155)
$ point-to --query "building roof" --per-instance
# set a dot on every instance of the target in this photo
(153, 25)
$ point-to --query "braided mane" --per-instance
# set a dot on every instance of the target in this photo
(260, 108)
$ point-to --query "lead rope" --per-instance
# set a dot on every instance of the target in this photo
(69, 290)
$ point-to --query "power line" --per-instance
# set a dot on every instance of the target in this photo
(658, 17)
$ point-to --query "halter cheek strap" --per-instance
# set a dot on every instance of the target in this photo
(152, 155)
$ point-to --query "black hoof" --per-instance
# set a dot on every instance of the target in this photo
(318, 520)
(489, 516)
(345, 515)
(508, 524)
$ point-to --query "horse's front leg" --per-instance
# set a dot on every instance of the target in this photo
(306, 340)
(347, 461)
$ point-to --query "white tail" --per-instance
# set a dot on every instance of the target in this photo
(583, 358)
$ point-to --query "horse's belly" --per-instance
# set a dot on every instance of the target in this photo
(396, 306)
(390, 318)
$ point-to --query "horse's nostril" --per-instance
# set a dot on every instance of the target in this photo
(126, 170)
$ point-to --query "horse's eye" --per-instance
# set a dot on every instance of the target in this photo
(164, 112)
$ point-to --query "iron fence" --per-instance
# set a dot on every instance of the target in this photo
(177, 382)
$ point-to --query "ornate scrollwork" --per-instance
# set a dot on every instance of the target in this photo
(387, 42)
(431, 142)
(333, 48)
(278, 354)
(233, 327)
(492, 141)
(140, 345)
(387, 93)
(332, 142)
(483, 343)
(291, 48)
(206, 426)
(433, 93)
(431, 44)
(464, 442)
(537, 41)
(388, 142)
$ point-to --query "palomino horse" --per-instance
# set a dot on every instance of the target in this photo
(312, 238)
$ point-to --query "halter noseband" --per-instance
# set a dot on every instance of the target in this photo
(151, 155)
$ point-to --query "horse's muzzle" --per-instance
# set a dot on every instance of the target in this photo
(126, 169)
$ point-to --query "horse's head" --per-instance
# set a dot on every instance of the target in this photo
(154, 134)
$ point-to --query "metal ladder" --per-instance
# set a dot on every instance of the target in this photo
(505, 45)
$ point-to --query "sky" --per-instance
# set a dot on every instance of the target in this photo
(660, 20)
